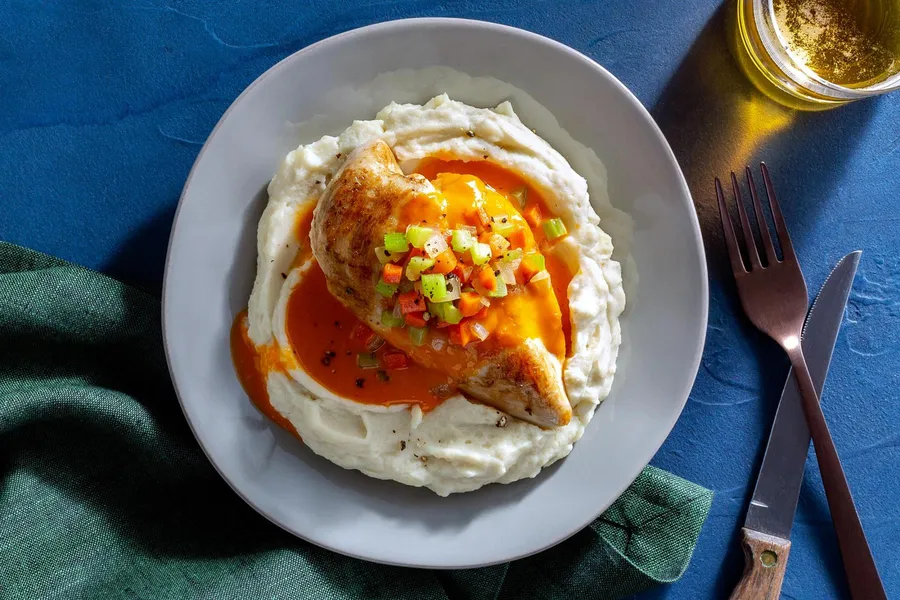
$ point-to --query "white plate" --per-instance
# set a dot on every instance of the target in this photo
(212, 258)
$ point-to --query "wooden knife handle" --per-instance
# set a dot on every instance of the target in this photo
(765, 562)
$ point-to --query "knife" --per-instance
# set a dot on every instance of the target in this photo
(767, 526)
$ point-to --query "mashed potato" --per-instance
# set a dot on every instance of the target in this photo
(459, 446)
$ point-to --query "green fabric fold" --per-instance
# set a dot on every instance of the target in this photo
(104, 492)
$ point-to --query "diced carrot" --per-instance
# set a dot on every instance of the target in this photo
(411, 301)
(469, 303)
(479, 218)
(526, 271)
(392, 273)
(415, 319)
(396, 360)
(441, 324)
(485, 237)
(483, 217)
(497, 243)
(413, 252)
(459, 271)
(533, 214)
(517, 238)
(444, 262)
(481, 313)
(461, 334)
(486, 279)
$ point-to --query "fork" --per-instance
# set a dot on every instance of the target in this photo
(775, 298)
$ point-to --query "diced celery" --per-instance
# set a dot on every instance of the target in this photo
(395, 242)
(554, 229)
(434, 286)
(386, 289)
(417, 335)
(481, 253)
(520, 194)
(535, 262)
(500, 291)
(416, 265)
(445, 311)
(451, 314)
(389, 320)
(367, 360)
(513, 255)
(461, 241)
(437, 309)
(502, 225)
(418, 235)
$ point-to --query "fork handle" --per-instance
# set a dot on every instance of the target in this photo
(859, 565)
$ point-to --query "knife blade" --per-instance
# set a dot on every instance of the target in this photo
(770, 516)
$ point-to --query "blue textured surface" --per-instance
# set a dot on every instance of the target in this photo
(104, 106)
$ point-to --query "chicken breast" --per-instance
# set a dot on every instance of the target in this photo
(357, 208)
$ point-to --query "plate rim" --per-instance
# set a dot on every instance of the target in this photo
(686, 195)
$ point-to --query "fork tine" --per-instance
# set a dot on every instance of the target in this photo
(749, 240)
(761, 220)
(784, 238)
(734, 252)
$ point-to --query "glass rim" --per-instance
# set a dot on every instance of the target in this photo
(766, 25)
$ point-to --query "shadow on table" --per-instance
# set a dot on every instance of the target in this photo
(141, 261)
(716, 121)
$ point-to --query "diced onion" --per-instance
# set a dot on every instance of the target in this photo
(520, 194)
(385, 257)
(540, 276)
(438, 343)
(507, 272)
(435, 245)
(375, 343)
(454, 287)
(479, 331)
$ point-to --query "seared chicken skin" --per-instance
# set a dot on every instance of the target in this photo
(361, 205)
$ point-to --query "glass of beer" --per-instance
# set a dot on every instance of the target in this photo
(818, 54)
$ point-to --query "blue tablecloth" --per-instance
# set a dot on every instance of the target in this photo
(104, 106)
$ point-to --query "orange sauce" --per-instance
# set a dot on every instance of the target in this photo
(521, 318)
(304, 225)
(252, 368)
(321, 332)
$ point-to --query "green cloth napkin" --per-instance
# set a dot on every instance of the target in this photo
(105, 493)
